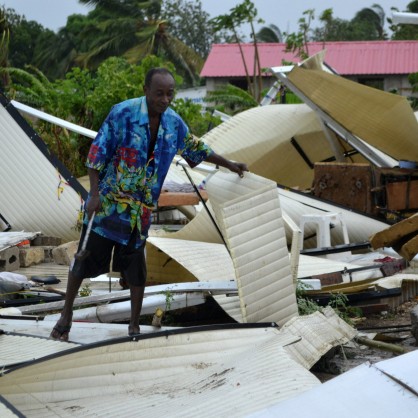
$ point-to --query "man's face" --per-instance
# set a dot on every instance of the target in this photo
(160, 93)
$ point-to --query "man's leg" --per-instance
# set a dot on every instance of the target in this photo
(131, 263)
(97, 262)
(63, 325)
(137, 296)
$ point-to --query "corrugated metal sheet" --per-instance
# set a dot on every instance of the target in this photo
(262, 137)
(227, 372)
(383, 120)
(248, 212)
(347, 58)
(35, 197)
(15, 349)
(385, 389)
(319, 333)
(6, 411)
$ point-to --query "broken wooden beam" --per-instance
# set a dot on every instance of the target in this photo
(381, 345)
(410, 249)
(390, 236)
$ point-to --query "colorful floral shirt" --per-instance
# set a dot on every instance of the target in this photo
(129, 182)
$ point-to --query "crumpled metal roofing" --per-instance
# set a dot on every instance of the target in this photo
(247, 211)
(202, 372)
(385, 389)
(36, 196)
(17, 348)
(319, 333)
(381, 119)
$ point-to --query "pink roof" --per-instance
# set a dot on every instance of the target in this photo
(347, 58)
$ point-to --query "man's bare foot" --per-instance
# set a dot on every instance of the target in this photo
(133, 330)
(61, 330)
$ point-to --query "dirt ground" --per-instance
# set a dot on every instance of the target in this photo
(391, 327)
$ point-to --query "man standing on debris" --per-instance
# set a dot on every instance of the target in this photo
(127, 164)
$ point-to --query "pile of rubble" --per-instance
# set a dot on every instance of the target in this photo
(41, 249)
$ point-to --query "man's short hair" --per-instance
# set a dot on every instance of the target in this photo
(153, 71)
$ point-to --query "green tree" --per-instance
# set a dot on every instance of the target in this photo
(85, 98)
(332, 29)
(134, 29)
(190, 24)
(413, 80)
(368, 24)
(26, 38)
(29, 86)
(198, 121)
(57, 53)
(231, 99)
(4, 46)
(23, 41)
(32, 87)
(297, 42)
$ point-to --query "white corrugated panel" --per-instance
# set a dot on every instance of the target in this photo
(16, 349)
(200, 228)
(6, 412)
(30, 186)
(206, 261)
(222, 373)
(177, 259)
(385, 389)
(319, 333)
(261, 137)
(248, 213)
(400, 369)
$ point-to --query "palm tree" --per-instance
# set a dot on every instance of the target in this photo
(58, 54)
(134, 29)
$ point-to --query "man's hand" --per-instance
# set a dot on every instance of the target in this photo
(238, 168)
(93, 205)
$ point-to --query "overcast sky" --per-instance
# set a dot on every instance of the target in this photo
(285, 14)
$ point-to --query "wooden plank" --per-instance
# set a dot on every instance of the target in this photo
(402, 195)
(328, 279)
(390, 236)
(180, 199)
(346, 184)
(409, 250)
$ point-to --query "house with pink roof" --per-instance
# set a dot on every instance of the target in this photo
(381, 64)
